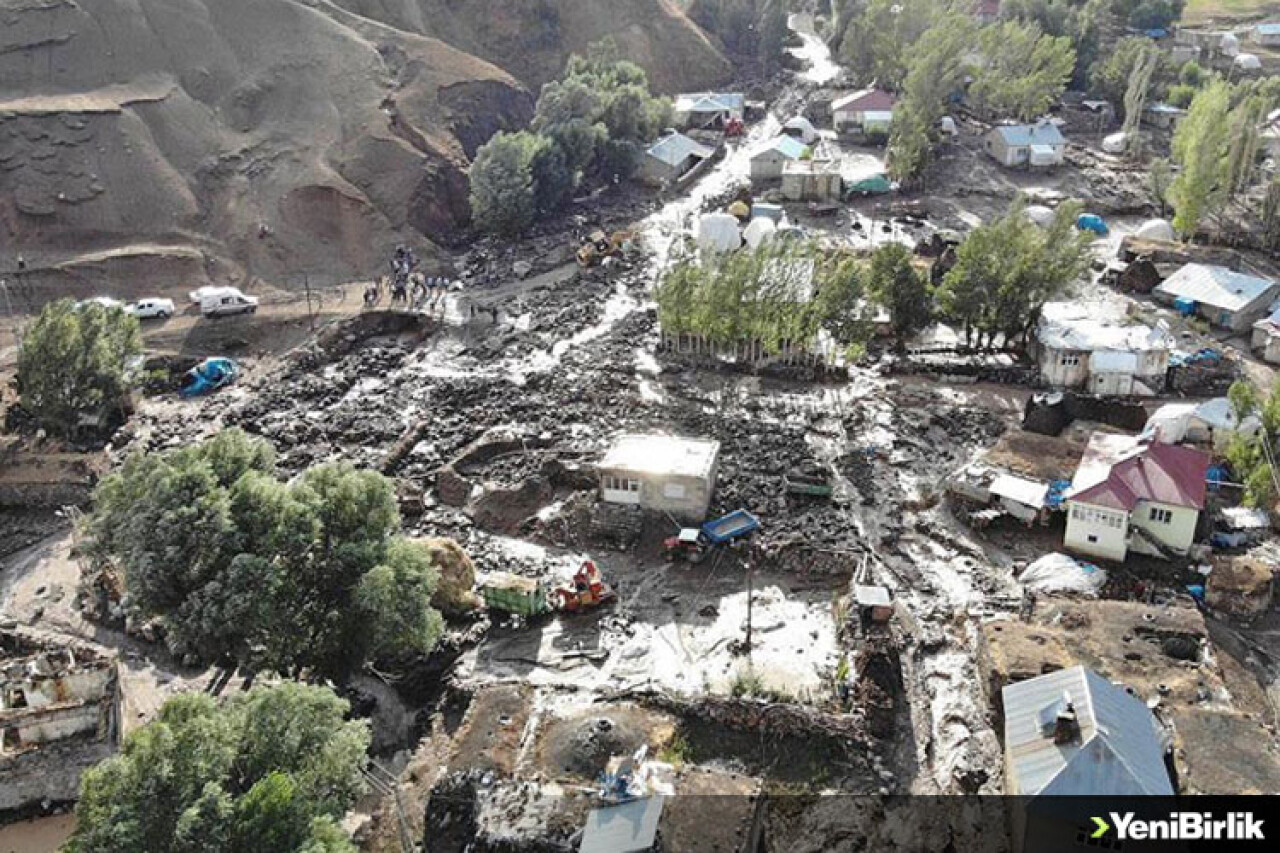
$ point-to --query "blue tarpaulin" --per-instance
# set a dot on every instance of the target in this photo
(1092, 222)
(209, 375)
(1185, 307)
(1057, 493)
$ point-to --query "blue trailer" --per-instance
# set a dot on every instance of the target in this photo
(694, 543)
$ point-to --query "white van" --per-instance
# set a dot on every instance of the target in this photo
(225, 301)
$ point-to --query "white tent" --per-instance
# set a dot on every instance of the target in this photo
(1156, 229)
(802, 129)
(759, 231)
(1039, 215)
(718, 232)
(1247, 62)
(1230, 45)
(1115, 143)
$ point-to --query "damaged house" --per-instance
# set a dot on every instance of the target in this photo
(1074, 733)
(1080, 352)
(812, 180)
(1130, 494)
(1228, 299)
(661, 472)
(58, 716)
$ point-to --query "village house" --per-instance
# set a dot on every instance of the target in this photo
(661, 472)
(1078, 351)
(704, 110)
(671, 158)
(1266, 337)
(1130, 493)
(811, 180)
(1266, 33)
(1162, 116)
(768, 160)
(865, 111)
(1035, 145)
(1074, 733)
(986, 11)
(1225, 298)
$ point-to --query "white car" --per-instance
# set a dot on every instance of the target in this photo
(146, 309)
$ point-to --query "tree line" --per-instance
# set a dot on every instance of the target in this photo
(1004, 273)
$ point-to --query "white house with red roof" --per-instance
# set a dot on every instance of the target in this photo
(1131, 494)
(864, 111)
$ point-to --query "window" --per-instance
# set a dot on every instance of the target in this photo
(1097, 517)
(1069, 361)
(1093, 538)
(1163, 516)
(619, 484)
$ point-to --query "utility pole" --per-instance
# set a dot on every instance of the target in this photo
(311, 316)
(750, 597)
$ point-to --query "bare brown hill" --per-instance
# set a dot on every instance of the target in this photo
(158, 144)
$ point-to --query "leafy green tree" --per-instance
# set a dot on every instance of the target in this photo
(1199, 145)
(568, 112)
(1251, 457)
(502, 189)
(1024, 71)
(1007, 270)
(241, 567)
(880, 39)
(894, 283)
(1159, 179)
(936, 70)
(1135, 96)
(272, 769)
(73, 364)
(1110, 77)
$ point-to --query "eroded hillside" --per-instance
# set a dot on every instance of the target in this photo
(160, 142)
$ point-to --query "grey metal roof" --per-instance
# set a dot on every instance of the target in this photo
(1217, 286)
(1044, 133)
(673, 149)
(710, 102)
(628, 828)
(1119, 751)
(788, 146)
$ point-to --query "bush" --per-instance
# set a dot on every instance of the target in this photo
(73, 365)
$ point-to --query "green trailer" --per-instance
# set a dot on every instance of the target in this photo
(813, 481)
(513, 594)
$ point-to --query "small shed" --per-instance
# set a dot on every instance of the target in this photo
(874, 603)
(1266, 337)
(811, 180)
(707, 109)
(670, 158)
(865, 111)
(661, 472)
(767, 161)
(1162, 115)
(1020, 497)
(1266, 33)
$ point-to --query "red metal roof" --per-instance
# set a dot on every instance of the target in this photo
(867, 100)
(1164, 473)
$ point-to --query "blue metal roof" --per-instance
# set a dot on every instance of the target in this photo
(675, 148)
(1020, 135)
(788, 146)
(1272, 29)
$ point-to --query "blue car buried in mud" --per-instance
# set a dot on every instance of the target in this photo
(208, 376)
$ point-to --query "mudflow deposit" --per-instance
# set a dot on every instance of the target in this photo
(162, 143)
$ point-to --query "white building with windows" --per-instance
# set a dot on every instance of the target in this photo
(1132, 494)
(661, 472)
(1080, 351)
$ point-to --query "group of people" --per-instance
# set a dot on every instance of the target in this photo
(407, 286)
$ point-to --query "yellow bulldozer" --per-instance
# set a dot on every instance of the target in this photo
(600, 245)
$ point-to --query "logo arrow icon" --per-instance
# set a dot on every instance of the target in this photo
(1102, 829)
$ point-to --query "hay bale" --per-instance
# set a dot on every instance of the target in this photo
(456, 592)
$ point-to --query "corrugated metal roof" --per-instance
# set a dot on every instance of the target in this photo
(673, 149)
(710, 102)
(629, 828)
(1271, 29)
(1216, 286)
(1162, 473)
(1028, 492)
(865, 100)
(788, 146)
(1044, 133)
(1118, 752)
(1072, 326)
